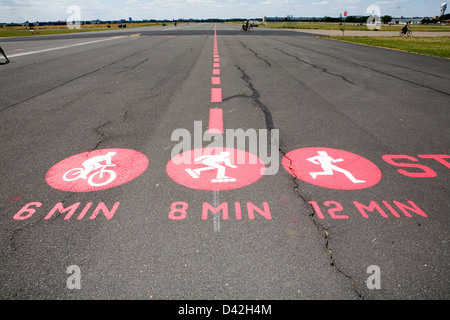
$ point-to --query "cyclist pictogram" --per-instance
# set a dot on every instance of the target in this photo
(100, 177)
(96, 170)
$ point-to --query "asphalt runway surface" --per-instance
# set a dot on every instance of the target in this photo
(353, 203)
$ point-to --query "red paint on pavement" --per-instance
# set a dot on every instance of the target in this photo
(215, 169)
(216, 94)
(96, 170)
(331, 168)
(215, 121)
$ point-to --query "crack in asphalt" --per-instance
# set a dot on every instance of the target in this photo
(260, 58)
(366, 67)
(255, 53)
(101, 134)
(127, 69)
(14, 240)
(256, 98)
(320, 228)
(325, 70)
(355, 124)
(71, 80)
(237, 96)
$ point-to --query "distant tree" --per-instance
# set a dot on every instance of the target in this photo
(386, 19)
(444, 17)
(330, 19)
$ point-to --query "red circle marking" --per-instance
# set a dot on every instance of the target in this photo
(186, 169)
(331, 168)
(67, 175)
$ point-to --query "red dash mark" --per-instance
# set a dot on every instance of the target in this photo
(215, 38)
(14, 199)
(216, 94)
(216, 115)
(215, 121)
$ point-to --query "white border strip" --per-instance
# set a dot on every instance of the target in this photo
(65, 47)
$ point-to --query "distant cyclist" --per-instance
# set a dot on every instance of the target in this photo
(247, 26)
(405, 28)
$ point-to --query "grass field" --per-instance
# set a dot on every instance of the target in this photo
(353, 26)
(433, 46)
(47, 30)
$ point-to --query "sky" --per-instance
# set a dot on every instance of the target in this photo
(56, 10)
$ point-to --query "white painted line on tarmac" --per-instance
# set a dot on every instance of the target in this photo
(64, 47)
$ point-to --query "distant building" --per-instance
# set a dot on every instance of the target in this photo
(291, 18)
(403, 20)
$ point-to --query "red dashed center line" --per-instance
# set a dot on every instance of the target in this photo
(216, 94)
(216, 114)
(215, 121)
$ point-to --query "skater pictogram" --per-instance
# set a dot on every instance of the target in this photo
(215, 168)
(214, 162)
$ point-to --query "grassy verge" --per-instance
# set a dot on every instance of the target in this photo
(48, 30)
(24, 33)
(352, 26)
(433, 46)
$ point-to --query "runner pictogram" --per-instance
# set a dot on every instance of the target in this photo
(326, 162)
(215, 169)
(332, 168)
(96, 170)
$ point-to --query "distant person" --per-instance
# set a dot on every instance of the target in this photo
(405, 28)
(3, 53)
(245, 26)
